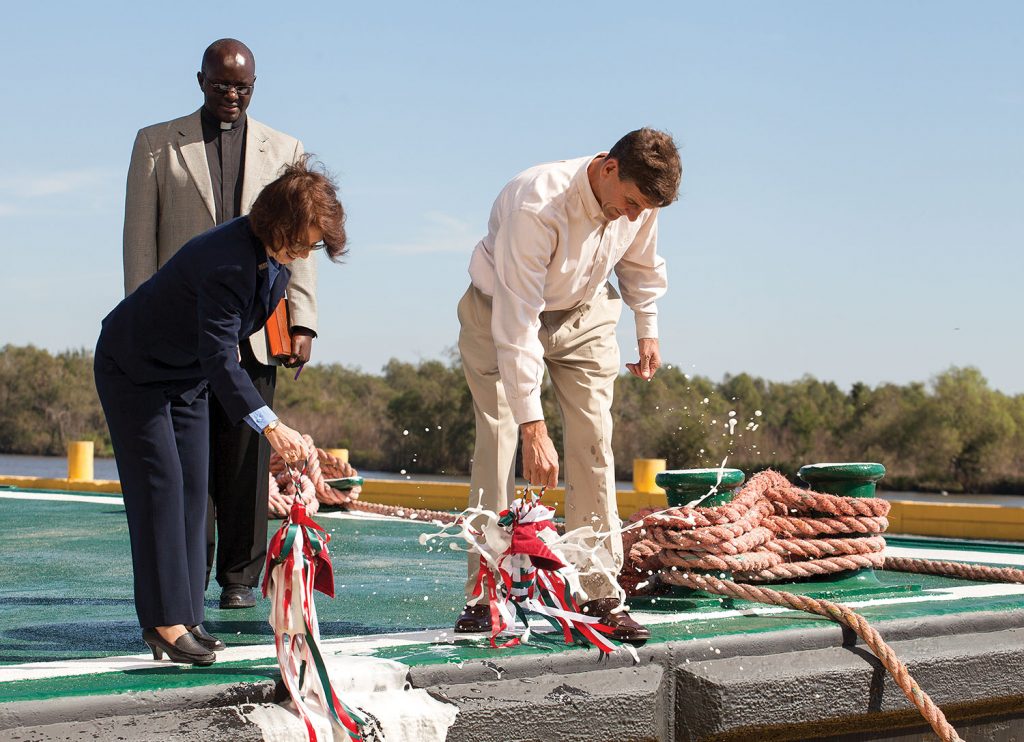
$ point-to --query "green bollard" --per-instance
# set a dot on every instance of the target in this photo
(687, 486)
(694, 487)
(846, 480)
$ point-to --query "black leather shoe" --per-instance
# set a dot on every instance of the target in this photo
(207, 639)
(237, 596)
(625, 629)
(473, 619)
(186, 649)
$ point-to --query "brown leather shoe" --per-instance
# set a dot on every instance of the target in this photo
(625, 628)
(473, 619)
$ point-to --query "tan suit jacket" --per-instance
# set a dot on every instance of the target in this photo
(169, 201)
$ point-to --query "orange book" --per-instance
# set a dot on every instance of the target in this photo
(279, 333)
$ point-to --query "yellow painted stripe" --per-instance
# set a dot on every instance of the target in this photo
(955, 520)
(455, 496)
(110, 486)
(951, 520)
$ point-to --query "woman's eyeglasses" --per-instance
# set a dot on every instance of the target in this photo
(298, 250)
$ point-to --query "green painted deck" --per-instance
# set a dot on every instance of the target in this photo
(66, 588)
(66, 599)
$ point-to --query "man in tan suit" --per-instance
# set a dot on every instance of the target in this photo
(187, 176)
(540, 298)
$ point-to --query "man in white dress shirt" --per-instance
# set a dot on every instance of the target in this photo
(540, 297)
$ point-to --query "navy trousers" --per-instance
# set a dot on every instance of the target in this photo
(236, 520)
(162, 449)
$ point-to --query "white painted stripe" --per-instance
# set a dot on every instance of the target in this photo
(61, 497)
(347, 645)
(368, 644)
(932, 595)
(956, 555)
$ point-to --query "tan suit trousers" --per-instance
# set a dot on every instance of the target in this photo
(582, 359)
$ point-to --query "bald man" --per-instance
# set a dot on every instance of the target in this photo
(187, 176)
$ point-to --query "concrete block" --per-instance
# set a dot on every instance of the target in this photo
(88, 708)
(838, 686)
(612, 704)
(224, 724)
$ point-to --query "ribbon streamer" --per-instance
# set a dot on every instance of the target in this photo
(298, 563)
(521, 573)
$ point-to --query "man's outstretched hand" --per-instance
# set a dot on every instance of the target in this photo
(650, 359)
(540, 460)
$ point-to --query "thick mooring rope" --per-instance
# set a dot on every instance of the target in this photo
(316, 490)
(977, 572)
(841, 614)
(397, 511)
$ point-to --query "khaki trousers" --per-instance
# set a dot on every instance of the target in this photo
(582, 359)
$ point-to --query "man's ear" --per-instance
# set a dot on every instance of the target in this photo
(610, 166)
(201, 79)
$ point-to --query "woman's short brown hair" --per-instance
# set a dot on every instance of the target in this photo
(650, 159)
(303, 196)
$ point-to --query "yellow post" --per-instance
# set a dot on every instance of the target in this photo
(341, 454)
(80, 455)
(644, 471)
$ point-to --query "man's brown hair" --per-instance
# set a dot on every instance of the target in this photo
(650, 159)
(303, 196)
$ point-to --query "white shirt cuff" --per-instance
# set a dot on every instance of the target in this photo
(526, 409)
(646, 325)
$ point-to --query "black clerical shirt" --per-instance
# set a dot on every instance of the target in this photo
(225, 154)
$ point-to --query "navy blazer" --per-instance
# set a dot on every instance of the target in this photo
(181, 328)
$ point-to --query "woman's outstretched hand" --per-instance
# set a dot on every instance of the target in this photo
(289, 444)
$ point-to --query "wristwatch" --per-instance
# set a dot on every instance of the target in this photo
(271, 425)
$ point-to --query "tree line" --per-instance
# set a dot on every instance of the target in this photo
(953, 433)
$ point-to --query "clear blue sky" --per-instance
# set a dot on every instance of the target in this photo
(853, 195)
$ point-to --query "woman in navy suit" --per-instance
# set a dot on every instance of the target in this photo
(160, 351)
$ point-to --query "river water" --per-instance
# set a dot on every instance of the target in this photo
(57, 467)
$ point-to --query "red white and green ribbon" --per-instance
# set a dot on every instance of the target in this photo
(528, 576)
(298, 563)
